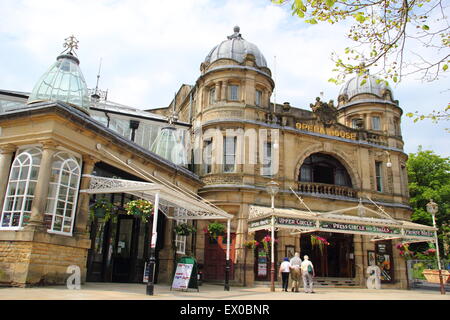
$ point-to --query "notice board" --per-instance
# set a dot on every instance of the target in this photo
(185, 276)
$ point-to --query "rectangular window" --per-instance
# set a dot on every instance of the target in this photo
(212, 95)
(376, 123)
(207, 156)
(229, 154)
(180, 241)
(258, 97)
(357, 123)
(379, 175)
(267, 160)
(233, 93)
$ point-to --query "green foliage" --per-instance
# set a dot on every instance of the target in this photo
(184, 229)
(429, 178)
(102, 208)
(216, 229)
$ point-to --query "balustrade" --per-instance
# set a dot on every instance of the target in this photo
(326, 189)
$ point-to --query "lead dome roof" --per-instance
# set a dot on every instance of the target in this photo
(366, 84)
(236, 48)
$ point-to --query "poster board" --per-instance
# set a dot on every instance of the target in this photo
(185, 276)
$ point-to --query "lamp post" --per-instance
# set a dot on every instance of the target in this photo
(272, 188)
(154, 237)
(432, 208)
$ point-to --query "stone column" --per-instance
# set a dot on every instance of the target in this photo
(217, 93)
(224, 91)
(6, 154)
(82, 216)
(41, 192)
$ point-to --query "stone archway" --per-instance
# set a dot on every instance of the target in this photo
(338, 155)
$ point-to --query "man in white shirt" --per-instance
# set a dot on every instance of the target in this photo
(295, 271)
(307, 274)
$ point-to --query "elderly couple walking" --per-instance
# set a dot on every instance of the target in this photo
(295, 268)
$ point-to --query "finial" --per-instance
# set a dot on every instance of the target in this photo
(70, 44)
(236, 34)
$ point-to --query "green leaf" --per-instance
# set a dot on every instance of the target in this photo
(410, 114)
(362, 82)
(360, 17)
(330, 3)
(445, 67)
(311, 21)
(395, 79)
(425, 27)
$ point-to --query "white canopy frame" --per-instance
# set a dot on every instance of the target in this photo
(163, 194)
(380, 228)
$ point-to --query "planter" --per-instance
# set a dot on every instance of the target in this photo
(99, 212)
(433, 275)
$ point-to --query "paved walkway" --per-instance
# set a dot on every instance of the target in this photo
(126, 291)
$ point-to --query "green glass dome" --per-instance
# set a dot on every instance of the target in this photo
(168, 145)
(64, 82)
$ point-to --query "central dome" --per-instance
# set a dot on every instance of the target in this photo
(236, 48)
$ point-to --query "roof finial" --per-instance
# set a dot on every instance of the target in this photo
(236, 34)
(70, 44)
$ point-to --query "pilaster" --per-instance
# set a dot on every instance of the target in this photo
(40, 194)
(6, 155)
(82, 216)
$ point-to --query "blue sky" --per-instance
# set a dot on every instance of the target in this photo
(150, 48)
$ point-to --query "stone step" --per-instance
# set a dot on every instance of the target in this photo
(320, 282)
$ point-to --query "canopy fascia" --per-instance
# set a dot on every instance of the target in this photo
(299, 221)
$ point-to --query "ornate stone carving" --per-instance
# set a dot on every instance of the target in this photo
(325, 112)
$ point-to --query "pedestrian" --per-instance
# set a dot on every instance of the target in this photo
(295, 271)
(285, 269)
(307, 274)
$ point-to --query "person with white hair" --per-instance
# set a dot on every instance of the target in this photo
(307, 274)
(295, 271)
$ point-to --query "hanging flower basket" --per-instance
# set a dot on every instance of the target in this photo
(102, 208)
(216, 229)
(267, 241)
(319, 241)
(184, 229)
(139, 208)
(251, 244)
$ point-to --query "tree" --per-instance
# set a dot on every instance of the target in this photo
(399, 38)
(429, 178)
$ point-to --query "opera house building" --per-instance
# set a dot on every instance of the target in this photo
(341, 193)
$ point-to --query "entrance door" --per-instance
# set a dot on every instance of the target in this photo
(123, 249)
(215, 257)
(333, 260)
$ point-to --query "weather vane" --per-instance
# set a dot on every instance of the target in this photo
(70, 44)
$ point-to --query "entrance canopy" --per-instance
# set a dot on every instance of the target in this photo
(188, 207)
(355, 220)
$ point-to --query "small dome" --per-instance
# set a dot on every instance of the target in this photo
(236, 48)
(63, 81)
(370, 85)
(168, 145)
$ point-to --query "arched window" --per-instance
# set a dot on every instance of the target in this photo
(62, 193)
(322, 168)
(21, 185)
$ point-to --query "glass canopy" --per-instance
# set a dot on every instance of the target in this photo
(64, 82)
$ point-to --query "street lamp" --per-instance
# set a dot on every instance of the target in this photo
(432, 208)
(272, 188)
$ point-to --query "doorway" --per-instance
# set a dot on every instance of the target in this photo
(215, 257)
(334, 260)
